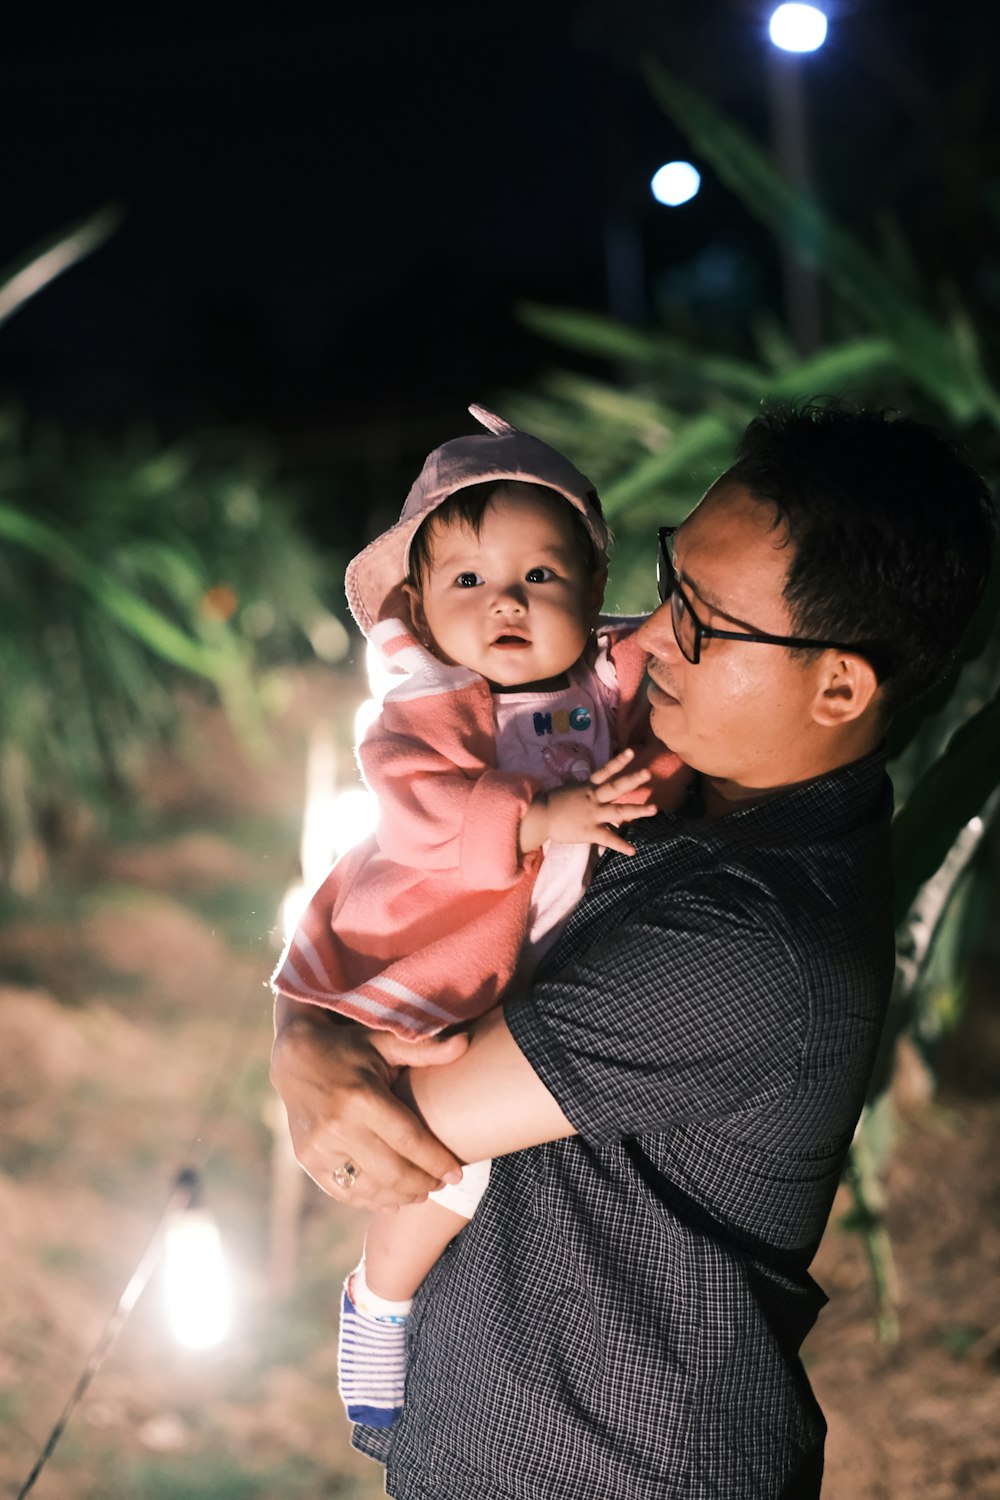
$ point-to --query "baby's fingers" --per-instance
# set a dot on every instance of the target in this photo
(617, 786)
(606, 836)
(627, 812)
(610, 838)
(611, 768)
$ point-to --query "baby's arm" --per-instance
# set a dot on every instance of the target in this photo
(443, 809)
(588, 812)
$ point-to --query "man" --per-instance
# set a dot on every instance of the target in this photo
(623, 1316)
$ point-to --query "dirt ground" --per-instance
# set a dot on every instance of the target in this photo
(134, 1031)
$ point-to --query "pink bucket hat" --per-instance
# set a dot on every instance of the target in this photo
(374, 579)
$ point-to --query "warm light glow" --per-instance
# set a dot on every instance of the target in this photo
(334, 822)
(293, 905)
(319, 819)
(356, 812)
(367, 712)
(355, 816)
(798, 28)
(675, 183)
(197, 1286)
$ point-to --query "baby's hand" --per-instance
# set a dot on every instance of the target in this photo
(588, 813)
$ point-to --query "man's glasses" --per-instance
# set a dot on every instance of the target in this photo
(689, 630)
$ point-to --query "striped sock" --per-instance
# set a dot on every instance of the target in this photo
(372, 1353)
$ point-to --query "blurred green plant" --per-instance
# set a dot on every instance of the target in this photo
(127, 568)
(666, 423)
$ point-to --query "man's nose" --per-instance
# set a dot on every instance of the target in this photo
(656, 634)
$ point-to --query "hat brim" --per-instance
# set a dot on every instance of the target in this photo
(374, 579)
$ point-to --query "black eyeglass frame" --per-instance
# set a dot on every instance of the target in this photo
(667, 585)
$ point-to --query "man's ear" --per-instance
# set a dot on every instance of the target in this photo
(846, 690)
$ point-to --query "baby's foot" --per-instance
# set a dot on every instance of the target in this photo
(372, 1357)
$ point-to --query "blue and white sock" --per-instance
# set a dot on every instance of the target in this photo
(372, 1353)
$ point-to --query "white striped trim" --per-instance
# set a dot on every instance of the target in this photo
(289, 976)
(426, 676)
(430, 1017)
(308, 951)
(410, 997)
(388, 630)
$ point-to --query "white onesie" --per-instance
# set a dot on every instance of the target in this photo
(558, 736)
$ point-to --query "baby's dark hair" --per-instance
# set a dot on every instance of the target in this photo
(468, 506)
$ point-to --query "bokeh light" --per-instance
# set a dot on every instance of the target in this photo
(798, 28)
(197, 1284)
(675, 183)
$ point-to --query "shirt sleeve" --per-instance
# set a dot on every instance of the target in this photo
(692, 1009)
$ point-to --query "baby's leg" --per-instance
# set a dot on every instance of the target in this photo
(399, 1251)
(401, 1247)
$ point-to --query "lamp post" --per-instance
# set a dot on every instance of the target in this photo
(795, 30)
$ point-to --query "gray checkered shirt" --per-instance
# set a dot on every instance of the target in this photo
(622, 1318)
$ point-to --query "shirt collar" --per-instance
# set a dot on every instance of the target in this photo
(829, 803)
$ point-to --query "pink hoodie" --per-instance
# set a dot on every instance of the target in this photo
(420, 927)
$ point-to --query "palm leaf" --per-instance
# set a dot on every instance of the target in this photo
(699, 440)
(20, 282)
(952, 793)
(952, 376)
(131, 612)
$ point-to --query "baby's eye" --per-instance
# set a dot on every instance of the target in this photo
(469, 580)
(539, 575)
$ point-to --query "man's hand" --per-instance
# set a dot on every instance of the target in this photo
(588, 812)
(336, 1084)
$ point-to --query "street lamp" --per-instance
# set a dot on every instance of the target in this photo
(795, 30)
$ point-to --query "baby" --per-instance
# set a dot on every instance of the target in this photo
(509, 754)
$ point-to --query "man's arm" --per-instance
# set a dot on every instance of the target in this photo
(337, 1090)
(337, 1082)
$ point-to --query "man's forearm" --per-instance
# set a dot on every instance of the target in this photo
(337, 1091)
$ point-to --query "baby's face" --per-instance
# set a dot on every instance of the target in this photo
(515, 603)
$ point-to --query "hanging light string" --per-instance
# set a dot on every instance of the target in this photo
(182, 1196)
(185, 1194)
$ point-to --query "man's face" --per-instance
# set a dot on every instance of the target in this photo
(739, 715)
(515, 602)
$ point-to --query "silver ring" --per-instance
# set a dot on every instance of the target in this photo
(346, 1176)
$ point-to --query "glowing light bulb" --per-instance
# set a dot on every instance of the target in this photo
(675, 183)
(798, 28)
(197, 1285)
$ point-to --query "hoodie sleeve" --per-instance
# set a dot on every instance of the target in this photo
(431, 760)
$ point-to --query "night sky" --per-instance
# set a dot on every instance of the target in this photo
(331, 212)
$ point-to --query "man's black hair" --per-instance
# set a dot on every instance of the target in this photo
(893, 531)
(468, 506)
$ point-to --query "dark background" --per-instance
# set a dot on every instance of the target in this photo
(331, 212)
